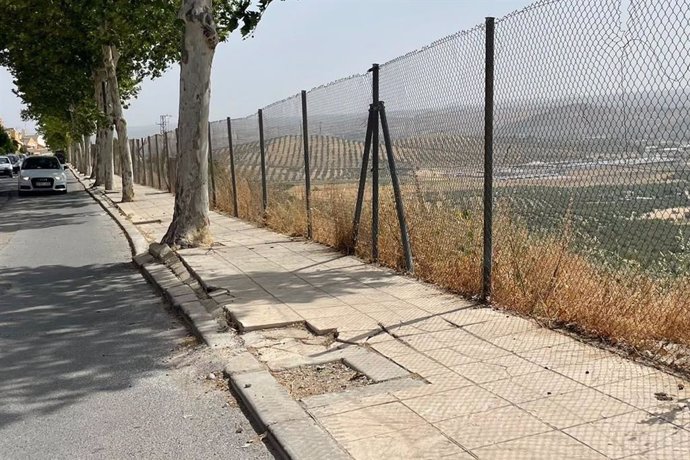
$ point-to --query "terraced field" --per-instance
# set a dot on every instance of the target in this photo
(608, 206)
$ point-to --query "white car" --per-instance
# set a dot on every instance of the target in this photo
(42, 173)
(6, 167)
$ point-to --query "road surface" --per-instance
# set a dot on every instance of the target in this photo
(91, 363)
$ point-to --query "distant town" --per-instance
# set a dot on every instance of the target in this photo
(26, 142)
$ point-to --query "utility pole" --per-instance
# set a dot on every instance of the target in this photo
(163, 123)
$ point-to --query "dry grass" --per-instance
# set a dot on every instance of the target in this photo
(536, 275)
(305, 381)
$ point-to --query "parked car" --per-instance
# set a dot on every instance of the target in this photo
(16, 163)
(6, 167)
(42, 173)
(60, 155)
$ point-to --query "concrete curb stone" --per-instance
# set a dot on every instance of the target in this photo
(292, 431)
(304, 440)
(290, 427)
(241, 364)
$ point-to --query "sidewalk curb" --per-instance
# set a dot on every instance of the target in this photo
(163, 279)
(291, 430)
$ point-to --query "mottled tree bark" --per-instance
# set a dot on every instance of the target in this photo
(87, 155)
(190, 225)
(111, 56)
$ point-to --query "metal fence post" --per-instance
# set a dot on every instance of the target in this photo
(307, 169)
(177, 155)
(488, 159)
(134, 164)
(148, 147)
(232, 169)
(375, 169)
(399, 208)
(166, 160)
(140, 149)
(363, 176)
(158, 163)
(210, 166)
(264, 189)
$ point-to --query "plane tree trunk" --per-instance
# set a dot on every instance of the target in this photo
(87, 155)
(101, 130)
(110, 57)
(190, 226)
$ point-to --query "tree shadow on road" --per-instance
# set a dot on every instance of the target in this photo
(70, 332)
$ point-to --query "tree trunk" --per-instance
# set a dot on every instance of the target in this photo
(190, 224)
(93, 149)
(87, 155)
(109, 166)
(77, 155)
(105, 165)
(99, 166)
(111, 56)
(94, 159)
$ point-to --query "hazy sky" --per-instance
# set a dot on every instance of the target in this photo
(301, 44)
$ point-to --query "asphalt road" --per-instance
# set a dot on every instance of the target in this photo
(91, 363)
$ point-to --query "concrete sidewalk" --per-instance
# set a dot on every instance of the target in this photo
(493, 385)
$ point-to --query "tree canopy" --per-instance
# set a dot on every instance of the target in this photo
(6, 144)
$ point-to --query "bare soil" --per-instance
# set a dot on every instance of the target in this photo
(320, 379)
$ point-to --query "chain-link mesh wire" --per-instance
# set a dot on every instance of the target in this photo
(221, 165)
(591, 220)
(285, 171)
(337, 120)
(434, 105)
(591, 166)
(247, 156)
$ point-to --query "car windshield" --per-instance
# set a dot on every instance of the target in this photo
(13, 158)
(4, 160)
(41, 163)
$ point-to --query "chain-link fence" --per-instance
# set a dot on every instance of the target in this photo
(586, 169)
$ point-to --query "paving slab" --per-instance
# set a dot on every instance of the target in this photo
(488, 382)
(374, 366)
(262, 316)
(482, 429)
(545, 446)
(454, 403)
(420, 443)
(576, 408)
(370, 421)
(629, 434)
